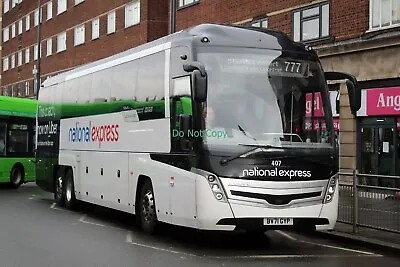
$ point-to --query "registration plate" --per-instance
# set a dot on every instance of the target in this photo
(278, 221)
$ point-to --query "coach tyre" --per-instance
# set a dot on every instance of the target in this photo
(148, 215)
(59, 188)
(16, 177)
(70, 199)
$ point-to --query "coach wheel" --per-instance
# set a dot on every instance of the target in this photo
(16, 177)
(59, 191)
(148, 214)
(70, 199)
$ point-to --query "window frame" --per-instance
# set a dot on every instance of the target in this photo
(49, 9)
(12, 63)
(20, 27)
(5, 10)
(111, 30)
(79, 35)
(65, 42)
(13, 30)
(261, 20)
(185, 4)
(96, 30)
(5, 63)
(49, 47)
(28, 22)
(380, 27)
(312, 17)
(62, 8)
(27, 55)
(20, 60)
(6, 33)
(131, 6)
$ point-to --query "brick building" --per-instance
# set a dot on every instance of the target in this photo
(73, 32)
(357, 36)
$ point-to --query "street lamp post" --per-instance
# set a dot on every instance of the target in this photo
(39, 37)
(173, 16)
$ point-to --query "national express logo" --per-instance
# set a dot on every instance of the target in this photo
(275, 173)
(95, 133)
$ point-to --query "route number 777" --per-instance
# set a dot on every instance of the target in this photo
(292, 66)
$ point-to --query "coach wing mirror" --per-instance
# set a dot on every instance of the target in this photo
(352, 88)
(199, 80)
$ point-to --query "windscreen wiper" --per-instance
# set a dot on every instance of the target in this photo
(254, 147)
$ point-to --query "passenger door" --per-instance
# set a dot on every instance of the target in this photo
(3, 130)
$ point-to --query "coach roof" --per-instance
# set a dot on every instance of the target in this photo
(217, 35)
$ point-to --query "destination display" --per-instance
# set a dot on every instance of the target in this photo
(258, 64)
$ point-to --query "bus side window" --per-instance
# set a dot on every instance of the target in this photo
(2, 139)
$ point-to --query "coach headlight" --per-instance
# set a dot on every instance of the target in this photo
(331, 188)
(215, 184)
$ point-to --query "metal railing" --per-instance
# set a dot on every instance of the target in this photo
(370, 202)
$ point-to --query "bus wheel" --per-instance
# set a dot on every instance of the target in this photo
(16, 177)
(59, 190)
(147, 207)
(70, 199)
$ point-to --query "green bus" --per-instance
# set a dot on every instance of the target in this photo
(17, 140)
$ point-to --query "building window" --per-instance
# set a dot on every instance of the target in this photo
(35, 52)
(384, 13)
(262, 23)
(6, 5)
(13, 29)
(95, 28)
(27, 88)
(311, 23)
(5, 91)
(14, 3)
(61, 42)
(28, 22)
(78, 1)
(79, 35)
(187, 2)
(36, 17)
(20, 27)
(49, 46)
(19, 58)
(61, 6)
(111, 22)
(49, 10)
(6, 34)
(12, 61)
(27, 55)
(132, 13)
(5, 64)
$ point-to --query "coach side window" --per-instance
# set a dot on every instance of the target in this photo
(124, 81)
(150, 90)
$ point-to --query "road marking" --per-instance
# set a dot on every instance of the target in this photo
(286, 235)
(53, 206)
(291, 256)
(83, 217)
(327, 246)
(340, 248)
(129, 240)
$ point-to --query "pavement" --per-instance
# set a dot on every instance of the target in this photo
(35, 232)
(381, 240)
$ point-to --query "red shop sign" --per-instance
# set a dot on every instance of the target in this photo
(383, 101)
